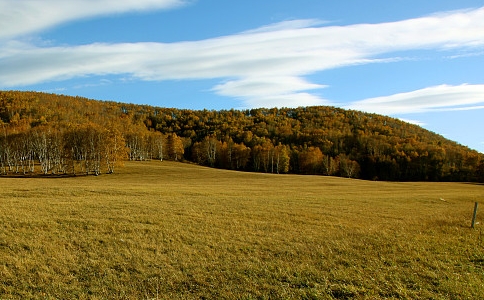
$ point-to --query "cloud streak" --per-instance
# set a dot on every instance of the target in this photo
(21, 17)
(262, 67)
(273, 89)
(437, 98)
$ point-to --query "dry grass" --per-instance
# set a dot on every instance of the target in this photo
(176, 231)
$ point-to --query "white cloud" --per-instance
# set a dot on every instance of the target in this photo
(437, 98)
(272, 91)
(265, 66)
(285, 100)
(287, 25)
(415, 122)
(20, 17)
(466, 54)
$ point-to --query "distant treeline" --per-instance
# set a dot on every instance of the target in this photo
(63, 134)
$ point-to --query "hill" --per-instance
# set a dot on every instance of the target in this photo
(72, 134)
(165, 230)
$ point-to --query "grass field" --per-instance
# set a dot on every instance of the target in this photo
(164, 230)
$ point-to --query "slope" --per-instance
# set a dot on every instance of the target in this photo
(305, 140)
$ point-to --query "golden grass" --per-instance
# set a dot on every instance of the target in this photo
(176, 231)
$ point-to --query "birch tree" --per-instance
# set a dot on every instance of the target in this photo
(114, 149)
(281, 158)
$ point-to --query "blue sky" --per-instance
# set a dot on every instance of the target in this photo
(420, 61)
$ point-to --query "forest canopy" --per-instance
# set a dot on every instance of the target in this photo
(57, 134)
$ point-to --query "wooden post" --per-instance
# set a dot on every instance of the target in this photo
(474, 215)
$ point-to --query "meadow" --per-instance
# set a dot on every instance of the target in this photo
(165, 230)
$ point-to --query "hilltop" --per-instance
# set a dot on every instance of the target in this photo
(67, 134)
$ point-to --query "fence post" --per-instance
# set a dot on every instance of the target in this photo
(474, 215)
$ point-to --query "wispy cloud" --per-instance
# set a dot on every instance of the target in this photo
(466, 54)
(437, 98)
(265, 91)
(415, 122)
(263, 67)
(288, 25)
(20, 17)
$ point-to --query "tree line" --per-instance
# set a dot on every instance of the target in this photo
(63, 134)
(84, 149)
(81, 149)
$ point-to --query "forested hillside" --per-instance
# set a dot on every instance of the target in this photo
(55, 134)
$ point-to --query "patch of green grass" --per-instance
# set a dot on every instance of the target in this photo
(176, 231)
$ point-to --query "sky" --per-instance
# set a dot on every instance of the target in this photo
(419, 61)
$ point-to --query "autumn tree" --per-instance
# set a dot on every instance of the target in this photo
(48, 144)
(136, 141)
(156, 145)
(480, 171)
(225, 154)
(310, 160)
(198, 155)
(263, 156)
(241, 156)
(330, 166)
(348, 168)
(281, 158)
(3, 150)
(175, 147)
(114, 149)
(210, 145)
(93, 146)
(21, 154)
